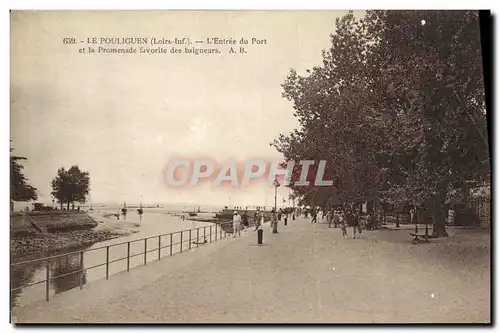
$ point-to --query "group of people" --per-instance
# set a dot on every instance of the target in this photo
(343, 218)
(348, 217)
(241, 222)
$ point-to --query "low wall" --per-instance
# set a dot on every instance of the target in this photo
(55, 221)
(19, 225)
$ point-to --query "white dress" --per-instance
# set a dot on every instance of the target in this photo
(236, 223)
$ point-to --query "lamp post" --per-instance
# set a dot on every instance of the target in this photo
(275, 217)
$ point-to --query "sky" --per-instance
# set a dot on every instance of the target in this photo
(123, 117)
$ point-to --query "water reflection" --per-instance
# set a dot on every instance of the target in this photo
(20, 276)
(68, 273)
(69, 267)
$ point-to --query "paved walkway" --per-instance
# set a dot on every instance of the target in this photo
(306, 273)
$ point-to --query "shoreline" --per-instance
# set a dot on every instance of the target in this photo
(32, 245)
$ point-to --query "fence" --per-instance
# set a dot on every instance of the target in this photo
(482, 208)
(163, 245)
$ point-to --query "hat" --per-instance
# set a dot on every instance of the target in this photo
(235, 212)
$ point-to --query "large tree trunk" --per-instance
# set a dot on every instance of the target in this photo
(438, 216)
(67, 207)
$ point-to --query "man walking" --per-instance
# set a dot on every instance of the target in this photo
(354, 222)
(314, 214)
(236, 224)
(245, 220)
(259, 219)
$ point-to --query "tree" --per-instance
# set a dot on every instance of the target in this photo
(434, 79)
(70, 186)
(20, 190)
(397, 110)
(336, 108)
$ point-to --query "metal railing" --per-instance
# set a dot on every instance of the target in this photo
(195, 237)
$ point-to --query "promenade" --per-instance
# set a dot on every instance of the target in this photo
(306, 273)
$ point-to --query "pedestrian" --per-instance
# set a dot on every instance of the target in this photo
(451, 216)
(343, 224)
(280, 214)
(412, 214)
(354, 222)
(331, 218)
(314, 215)
(285, 216)
(245, 220)
(256, 216)
(236, 224)
(361, 221)
(258, 227)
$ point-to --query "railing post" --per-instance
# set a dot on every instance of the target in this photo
(47, 283)
(128, 256)
(145, 250)
(159, 247)
(181, 242)
(210, 234)
(197, 237)
(107, 262)
(190, 239)
(216, 232)
(171, 244)
(220, 232)
(83, 270)
(204, 234)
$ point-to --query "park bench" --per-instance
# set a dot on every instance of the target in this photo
(417, 238)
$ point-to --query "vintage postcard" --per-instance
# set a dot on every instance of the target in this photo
(250, 167)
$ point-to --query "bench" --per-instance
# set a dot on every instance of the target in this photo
(420, 237)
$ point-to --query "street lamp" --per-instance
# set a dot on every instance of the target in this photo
(275, 217)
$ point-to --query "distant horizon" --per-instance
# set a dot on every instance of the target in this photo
(161, 204)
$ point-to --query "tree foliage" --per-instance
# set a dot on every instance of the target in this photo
(70, 186)
(397, 109)
(20, 190)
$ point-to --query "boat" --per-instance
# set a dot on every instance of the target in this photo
(124, 209)
(194, 213)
